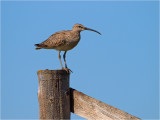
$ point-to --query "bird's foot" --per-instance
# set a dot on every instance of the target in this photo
(68, 70)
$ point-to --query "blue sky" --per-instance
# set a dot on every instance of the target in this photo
(119, 67)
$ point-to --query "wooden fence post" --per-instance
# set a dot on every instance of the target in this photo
(53, 94)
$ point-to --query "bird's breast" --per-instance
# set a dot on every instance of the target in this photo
(70, 42)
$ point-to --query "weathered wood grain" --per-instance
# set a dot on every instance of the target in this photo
(93, 109)
(53, 94)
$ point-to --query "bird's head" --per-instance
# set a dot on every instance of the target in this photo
(79, 27)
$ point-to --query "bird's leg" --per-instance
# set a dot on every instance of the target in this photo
(64, 57)
(66, 68)
(59, 56)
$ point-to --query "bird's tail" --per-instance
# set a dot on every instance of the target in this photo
(40, 46)
(37, 47)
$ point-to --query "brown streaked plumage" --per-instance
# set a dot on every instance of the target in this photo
(64, 40)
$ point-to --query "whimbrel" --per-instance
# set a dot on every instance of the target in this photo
(64, 41)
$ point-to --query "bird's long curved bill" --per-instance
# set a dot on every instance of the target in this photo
(92, 30)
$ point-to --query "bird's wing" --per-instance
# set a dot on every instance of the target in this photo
(55, 40)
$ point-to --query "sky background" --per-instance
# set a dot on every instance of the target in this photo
(119, 67)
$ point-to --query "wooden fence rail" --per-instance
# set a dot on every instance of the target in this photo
(93, 109)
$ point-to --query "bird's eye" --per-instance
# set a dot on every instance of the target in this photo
(79, 26)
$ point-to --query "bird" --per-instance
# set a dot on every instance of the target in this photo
(64, 41)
